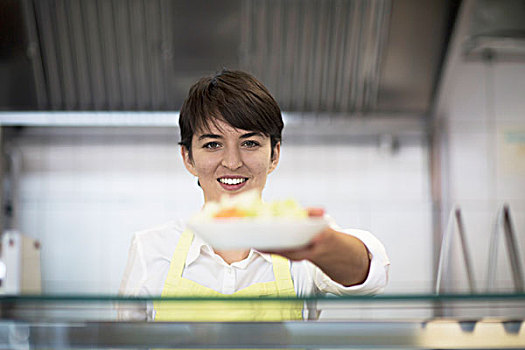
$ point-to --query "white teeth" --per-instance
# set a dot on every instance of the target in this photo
(229, 181)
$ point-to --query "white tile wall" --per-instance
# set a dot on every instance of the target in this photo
(84, 200)
(479, 102)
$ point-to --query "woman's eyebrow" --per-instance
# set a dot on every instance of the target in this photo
(209, 136)
(250, 134)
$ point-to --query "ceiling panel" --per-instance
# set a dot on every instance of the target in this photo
(341, 57)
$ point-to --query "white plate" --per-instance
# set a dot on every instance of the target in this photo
(258, 234)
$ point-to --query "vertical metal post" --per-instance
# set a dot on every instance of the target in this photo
(455, 221)
(443, 255)
(2, 161)
(493, 252)
(503, 218)
(512, 248)
(11, 164)
(439, 182)
(466, 255)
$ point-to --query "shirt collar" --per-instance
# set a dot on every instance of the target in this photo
(195, 249)
(198, 246)
(267, 257)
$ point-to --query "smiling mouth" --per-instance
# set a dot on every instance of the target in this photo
(232, 181)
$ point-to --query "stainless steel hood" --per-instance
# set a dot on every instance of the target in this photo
(324, 56)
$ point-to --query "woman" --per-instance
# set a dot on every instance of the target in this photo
(230, 140)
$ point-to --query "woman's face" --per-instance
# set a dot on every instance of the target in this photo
(230, 161)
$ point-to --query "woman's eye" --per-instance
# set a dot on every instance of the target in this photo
(250, 143)
(211, 145)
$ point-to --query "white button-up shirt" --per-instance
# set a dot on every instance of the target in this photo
(152, 250)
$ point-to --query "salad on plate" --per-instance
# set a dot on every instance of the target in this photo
(246, 221)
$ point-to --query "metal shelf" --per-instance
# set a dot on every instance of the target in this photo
(80, 321)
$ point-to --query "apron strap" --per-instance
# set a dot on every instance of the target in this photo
(282, 273)
(179, 259)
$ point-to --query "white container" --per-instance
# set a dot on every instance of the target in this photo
(21, 258)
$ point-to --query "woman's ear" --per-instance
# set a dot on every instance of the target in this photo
(275, 157)
(188, 160)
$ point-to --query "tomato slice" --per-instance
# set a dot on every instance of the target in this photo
(230, 213)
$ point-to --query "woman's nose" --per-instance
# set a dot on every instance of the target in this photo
(232, 159)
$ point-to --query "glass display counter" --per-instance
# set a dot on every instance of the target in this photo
(451, 321)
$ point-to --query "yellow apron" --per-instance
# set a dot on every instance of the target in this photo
(226, 311)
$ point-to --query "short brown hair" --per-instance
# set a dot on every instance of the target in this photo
(236, 97)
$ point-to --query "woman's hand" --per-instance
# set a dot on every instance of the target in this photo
(342, 257)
